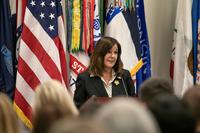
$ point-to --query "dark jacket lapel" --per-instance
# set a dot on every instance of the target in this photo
(117, 87)
(97, 83)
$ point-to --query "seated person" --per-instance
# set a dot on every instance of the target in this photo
(52, 102)
(192, 100)
(153, 87)
(171, 114)
(126, 115)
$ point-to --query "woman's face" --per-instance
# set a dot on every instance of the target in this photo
(111, 57)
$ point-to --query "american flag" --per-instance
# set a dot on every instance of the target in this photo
(42, 54)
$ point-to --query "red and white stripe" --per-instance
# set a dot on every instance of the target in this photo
(20, 11)
(78, 63)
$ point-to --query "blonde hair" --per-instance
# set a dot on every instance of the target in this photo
(8, 118)
(54, 92)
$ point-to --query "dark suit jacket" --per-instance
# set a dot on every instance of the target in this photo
(87, 85)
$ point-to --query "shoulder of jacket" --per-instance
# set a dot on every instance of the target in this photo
(84, 74)
(125, 71)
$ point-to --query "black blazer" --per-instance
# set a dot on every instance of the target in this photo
(87, 85)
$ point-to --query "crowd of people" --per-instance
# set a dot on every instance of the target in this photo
(105, 102)
(155, 110)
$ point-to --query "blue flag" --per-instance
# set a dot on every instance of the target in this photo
(195, 40)
(145, 72)
(122, 25)
(7, 78)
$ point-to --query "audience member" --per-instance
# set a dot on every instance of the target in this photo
(52, 102)
(89, 108)
(8, 118)
(171, 114)
(126, 115)
(153, 87)
(192, 100)
(78, 126)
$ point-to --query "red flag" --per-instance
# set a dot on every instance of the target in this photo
(42, 54)
(78, 63)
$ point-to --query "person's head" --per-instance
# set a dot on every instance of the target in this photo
(52, 102)
(107, 54)
(126, 115)
(46, 116)
(153, 87)
(171, 114)
(8, 118)
(89, 108)
(191, 99)
(54, 92)
(77, 126)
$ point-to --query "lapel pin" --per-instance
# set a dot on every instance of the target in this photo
(116, 82)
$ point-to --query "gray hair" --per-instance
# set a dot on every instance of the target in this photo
(126, 115)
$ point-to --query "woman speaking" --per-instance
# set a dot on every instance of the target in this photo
(105, 76)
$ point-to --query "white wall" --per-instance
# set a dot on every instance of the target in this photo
(160, 20)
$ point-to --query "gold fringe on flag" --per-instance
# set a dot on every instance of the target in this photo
(76, 25)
